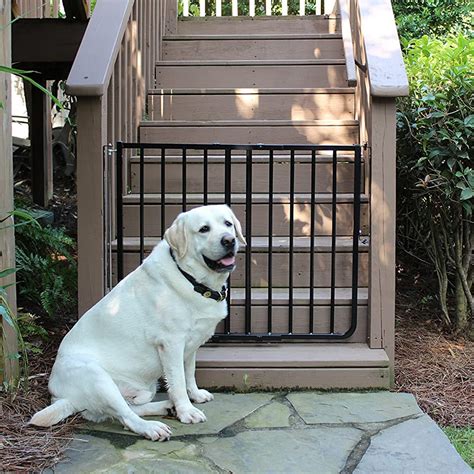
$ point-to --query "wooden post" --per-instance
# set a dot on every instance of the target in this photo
(8, 340)
(171, 16)
(91, 138)
(41, 148)
(382, 226)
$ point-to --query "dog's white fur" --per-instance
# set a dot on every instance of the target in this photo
(149, 326)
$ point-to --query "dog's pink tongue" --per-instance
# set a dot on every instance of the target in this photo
(226, 261)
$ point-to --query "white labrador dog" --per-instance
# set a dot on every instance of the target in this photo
(149, 326)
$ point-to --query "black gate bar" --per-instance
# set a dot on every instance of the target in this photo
(252, 151)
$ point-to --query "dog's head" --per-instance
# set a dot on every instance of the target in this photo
(208, 236)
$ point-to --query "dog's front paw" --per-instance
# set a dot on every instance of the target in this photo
(154, 430)
(201, 396)
(190, 415)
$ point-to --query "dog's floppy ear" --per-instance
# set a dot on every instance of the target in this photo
(176, 236)
(238, 228)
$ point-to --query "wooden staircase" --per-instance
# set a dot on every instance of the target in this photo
(254, 84)
(248, 80)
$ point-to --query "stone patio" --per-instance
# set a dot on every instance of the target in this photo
(297, 432)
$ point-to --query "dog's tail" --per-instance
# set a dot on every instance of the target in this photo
(53, 414)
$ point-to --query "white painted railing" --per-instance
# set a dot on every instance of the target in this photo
(320, 7)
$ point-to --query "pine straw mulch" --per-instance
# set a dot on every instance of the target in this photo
(28, 448)
(435, 366)
(437, 369)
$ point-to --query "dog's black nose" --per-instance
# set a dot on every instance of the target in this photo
(228, 241)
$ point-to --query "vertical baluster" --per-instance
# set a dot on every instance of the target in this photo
(235, 8)
(183, 179)
(162, 191)
(119, 210)
(142, 203)
(227, 197)
(268, 7)
(202, 7)
(248, 234)
(311, 248)
(205, 176)
(318, 7)
(227, 176)
(333, 239)
(185, 7)
(291, 243)
(284, 7)
(302, 7)
(355, 238)
(270, 242)
(218, 7)
(251, 7)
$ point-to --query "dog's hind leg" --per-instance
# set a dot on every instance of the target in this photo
(87, 386)
(110, 395)
(154, 408)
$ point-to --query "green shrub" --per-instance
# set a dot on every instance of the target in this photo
(47, 270)
(416, 18)
(435, 165)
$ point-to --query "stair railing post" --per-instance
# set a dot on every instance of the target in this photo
(91, 138)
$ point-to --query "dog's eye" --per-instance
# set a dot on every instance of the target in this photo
(228, 223)
(204, 229)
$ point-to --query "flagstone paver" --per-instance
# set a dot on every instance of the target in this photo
(341, 432)
(351, 407)
(419, 444)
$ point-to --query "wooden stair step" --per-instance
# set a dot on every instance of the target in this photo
(251, 131)
(280, 296)
(260, 244)
(337, 354)
(261, 47)
(292, 366)
(263, 24)
(235, 104)
(301, 320)
(260, 198)
(260, 211)
(280, 259)
(175, 156)
(256, 73)
(260, 173)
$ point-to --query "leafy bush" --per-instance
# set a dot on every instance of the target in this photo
(47, 270)
(435, 165)
(416, 18)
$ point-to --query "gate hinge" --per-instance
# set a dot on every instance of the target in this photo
(109, 149)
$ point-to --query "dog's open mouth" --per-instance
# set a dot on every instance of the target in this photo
(224, 264)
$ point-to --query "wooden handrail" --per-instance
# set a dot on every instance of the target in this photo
(375, 24)
(91, 71)
(347, 42)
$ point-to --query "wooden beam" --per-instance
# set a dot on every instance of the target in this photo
(41, 149)
(92, 136)
(8, 338)
(76, 9)
(382, 226)
(46, 43)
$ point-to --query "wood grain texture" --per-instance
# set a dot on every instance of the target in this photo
(8, 342)
(250, 75)
(244, 48)
(382, 226)
(261, 24)
(253, 104)
(92, 136)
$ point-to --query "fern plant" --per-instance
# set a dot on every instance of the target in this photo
(47, 270)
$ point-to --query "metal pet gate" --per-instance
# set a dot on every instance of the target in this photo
(247, 157)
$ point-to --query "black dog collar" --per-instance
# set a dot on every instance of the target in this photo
(199, 287)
